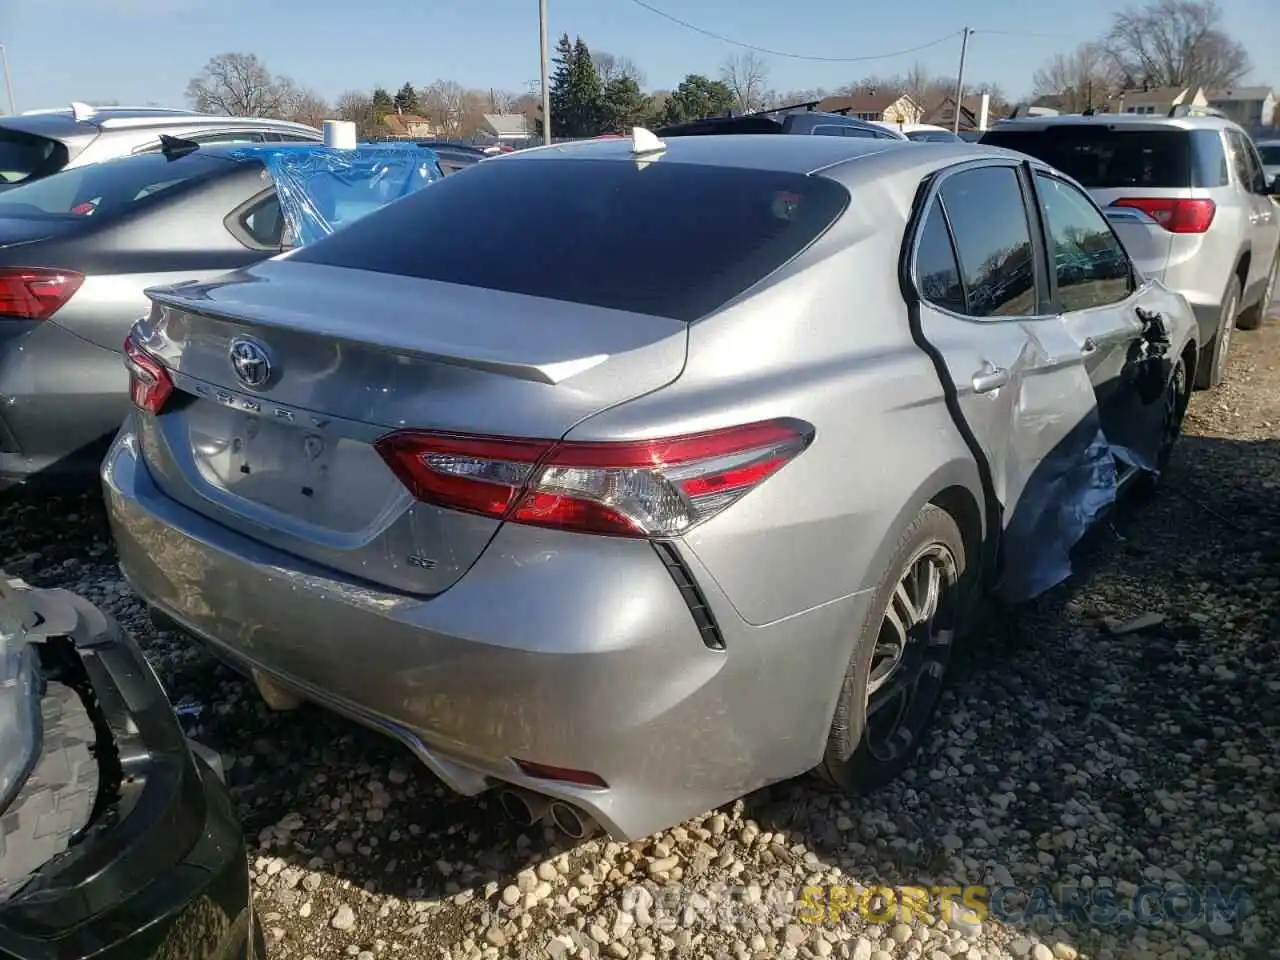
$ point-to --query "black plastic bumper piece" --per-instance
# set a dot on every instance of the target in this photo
(162, 871)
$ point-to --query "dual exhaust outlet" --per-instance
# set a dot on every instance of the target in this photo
(528, 808)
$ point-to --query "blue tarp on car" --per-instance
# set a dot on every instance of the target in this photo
(321, 188)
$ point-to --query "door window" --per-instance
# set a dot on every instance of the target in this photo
(1240, 160)
(993, 241)
(937, 270)
(1091, 266)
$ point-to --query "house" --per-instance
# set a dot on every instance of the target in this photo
(505, 127)
(1159, 100)
(974, 112)
(1248, 106)
(408, 126)
(872, 104)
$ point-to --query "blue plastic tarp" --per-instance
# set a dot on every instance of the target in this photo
(321, 188)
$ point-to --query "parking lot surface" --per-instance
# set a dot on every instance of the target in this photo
(1073, 749)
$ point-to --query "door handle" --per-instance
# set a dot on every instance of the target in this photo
(990, 378)
(1089, 346)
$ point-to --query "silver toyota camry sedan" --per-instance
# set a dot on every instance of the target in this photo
(628, 476)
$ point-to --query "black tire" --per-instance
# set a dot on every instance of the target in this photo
(859, 757)
(56, 802)
(1177, 395)
(1252, 318)
(1212, 367)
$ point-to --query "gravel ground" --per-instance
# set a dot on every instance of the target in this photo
(1071, 749)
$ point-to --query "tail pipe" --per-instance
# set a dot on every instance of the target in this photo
(572, 822)
(523, 806)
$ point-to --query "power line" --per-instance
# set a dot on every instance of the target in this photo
(1023, 33)
(792, 56)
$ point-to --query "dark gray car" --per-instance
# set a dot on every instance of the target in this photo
(77, 248)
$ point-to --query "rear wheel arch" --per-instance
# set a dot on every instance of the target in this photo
(963, 507)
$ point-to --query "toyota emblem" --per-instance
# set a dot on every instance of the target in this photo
(250, 361)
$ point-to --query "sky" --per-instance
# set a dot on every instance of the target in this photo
(143, 51)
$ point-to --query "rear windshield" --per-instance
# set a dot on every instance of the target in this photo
(1102, 158)
(1270, 154)
(24, 156)
(99, 189)
(667, 239)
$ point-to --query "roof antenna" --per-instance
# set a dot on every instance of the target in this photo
(644, 142)
(174, 148)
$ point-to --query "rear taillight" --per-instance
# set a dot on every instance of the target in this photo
(35, 293)
(150, 385)
(649, 488)
(1176, 216)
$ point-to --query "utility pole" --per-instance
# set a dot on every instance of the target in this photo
(546, 79)
(964, 48)
(8, 80)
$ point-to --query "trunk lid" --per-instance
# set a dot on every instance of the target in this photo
(1148, 244)
(355, 355)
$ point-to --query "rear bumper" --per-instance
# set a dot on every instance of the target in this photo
(163, 872)
(61, 398)
(566, 650)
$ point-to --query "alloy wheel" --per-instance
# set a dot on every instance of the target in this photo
(911, 652)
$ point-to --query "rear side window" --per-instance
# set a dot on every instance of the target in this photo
(103, 188)
(668, 239)
(1102, 158)
(993, 240)
(937, 269)
(1270, 153)
(24, 156)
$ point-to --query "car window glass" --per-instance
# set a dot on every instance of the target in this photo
(989, 222)
(828, 130)
(667, 239)
(1102, 158)
(937, 271)
(1091, 266)
(231, 136)
(264, 222)
(1240, 160)
(1255, 165)
(97, 189)
(1270, 154)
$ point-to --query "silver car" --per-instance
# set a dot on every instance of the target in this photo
(681, 483)
(39, 143)
(1189, 199)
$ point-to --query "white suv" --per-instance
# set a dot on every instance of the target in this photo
(1191, 203)
(40, 142)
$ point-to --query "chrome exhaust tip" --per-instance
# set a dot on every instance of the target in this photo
(523, 806)
(572, 822)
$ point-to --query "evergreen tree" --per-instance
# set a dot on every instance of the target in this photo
(382, 103)
(406, 101)
(625, 105)
(697, 97)
(577, 101)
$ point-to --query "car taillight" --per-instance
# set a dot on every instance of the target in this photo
(35, 293)
(1176, 216)
(647, 488)
(149, 382)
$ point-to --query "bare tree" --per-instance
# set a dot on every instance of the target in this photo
(445, 103)
(304, 105)
(357, 106)
(610, 67)
(1175, 43)
(746, 74)
(239, 85)
(1084, 78)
